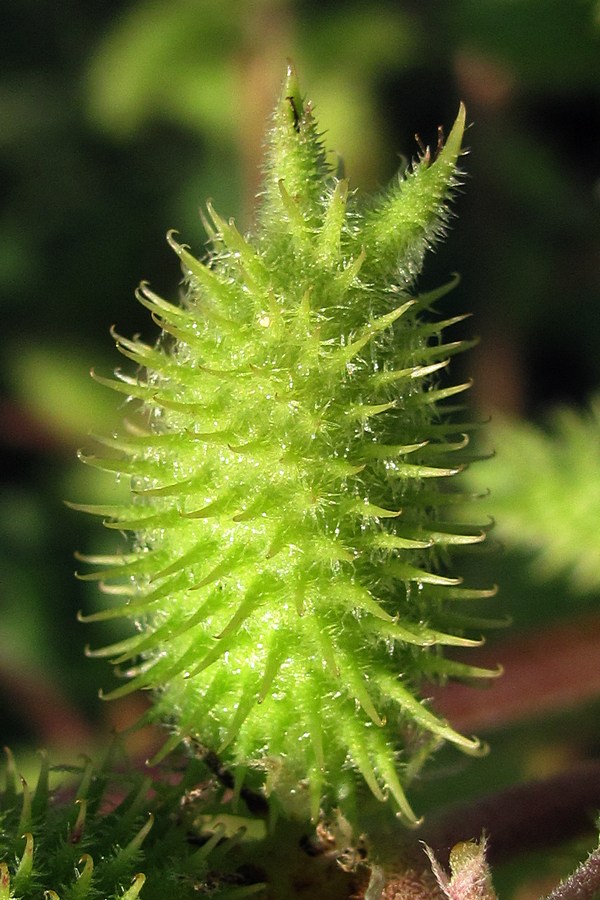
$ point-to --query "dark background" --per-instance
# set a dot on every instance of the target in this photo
(119, 119)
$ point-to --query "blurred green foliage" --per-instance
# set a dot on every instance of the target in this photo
(120, 118)
(545, 494)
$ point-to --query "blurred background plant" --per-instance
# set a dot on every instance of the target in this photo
(119, 119)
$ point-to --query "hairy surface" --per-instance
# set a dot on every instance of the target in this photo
(289, 458)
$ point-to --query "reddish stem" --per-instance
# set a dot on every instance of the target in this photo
(583, 884)
(555, 669)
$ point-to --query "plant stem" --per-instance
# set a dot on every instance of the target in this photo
(557, 669)
(583, 884)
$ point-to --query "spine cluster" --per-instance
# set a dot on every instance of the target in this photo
(290, 462)
(89, 842)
